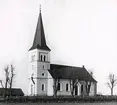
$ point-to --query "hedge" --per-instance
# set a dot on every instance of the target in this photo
(49, 99)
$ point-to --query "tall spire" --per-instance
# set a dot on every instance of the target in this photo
(39, 39)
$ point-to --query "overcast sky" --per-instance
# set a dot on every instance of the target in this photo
(79, 32)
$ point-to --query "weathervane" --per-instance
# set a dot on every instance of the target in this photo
(40, 7)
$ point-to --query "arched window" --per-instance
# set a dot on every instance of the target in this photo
(43, 67)
(67, 87)
(81, 88)
(32, 67)
(33, 57)
(59, 86)
(43, 87)
(41, 57)
(31, 89)
(44, 58)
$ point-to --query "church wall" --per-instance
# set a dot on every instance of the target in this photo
(39, 69)
(40, 82)
(84, 89)
(32, 70)
(93, 89)
(50, 85)
(63, 91)
(29, 87)
(42, 68)
(33, 54)
(42, 78)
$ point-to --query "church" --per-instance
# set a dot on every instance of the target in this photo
(46, 79)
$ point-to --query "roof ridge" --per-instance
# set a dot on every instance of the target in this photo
(66, 65)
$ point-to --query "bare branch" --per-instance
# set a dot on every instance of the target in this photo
(1, 83)
(112, 82)
(109, 85)
(89, 83)
(7, 79)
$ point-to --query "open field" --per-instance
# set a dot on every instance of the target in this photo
(106, 103)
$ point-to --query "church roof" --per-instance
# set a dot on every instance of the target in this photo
(70, 72)
(39, 39)
(14, 91)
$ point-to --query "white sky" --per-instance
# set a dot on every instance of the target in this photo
(79, 32)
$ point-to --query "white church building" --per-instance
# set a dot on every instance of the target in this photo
(46, 79)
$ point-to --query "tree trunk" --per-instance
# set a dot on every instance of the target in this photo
(111, 91)
(55, 87)
(10, 89)
(5, 90)
(72, 92)
(72, 89)
(11, 80)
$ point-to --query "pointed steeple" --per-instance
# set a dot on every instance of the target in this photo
(39, 39)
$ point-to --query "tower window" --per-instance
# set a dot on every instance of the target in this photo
(43, 87)
(67, 87)
(44, 58)
(33, 57)
(41, 57)
(32, 67)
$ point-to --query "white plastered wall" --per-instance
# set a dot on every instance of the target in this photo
(50, 91)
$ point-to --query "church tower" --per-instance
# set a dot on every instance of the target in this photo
(39, 63)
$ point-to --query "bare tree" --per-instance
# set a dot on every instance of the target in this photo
(73, 83)
(55, 86)
(6, 80)
(11, 77)
(88, 84)
(87, 87)
(1, 83)
(112, 82)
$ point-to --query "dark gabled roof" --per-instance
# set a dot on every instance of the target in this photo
(14, 91)
(39, 39)
(69, 72)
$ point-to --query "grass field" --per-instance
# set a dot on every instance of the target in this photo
(106, 103)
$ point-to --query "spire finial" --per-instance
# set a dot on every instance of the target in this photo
(40, 7)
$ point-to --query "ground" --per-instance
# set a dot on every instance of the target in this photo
(106, 103)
